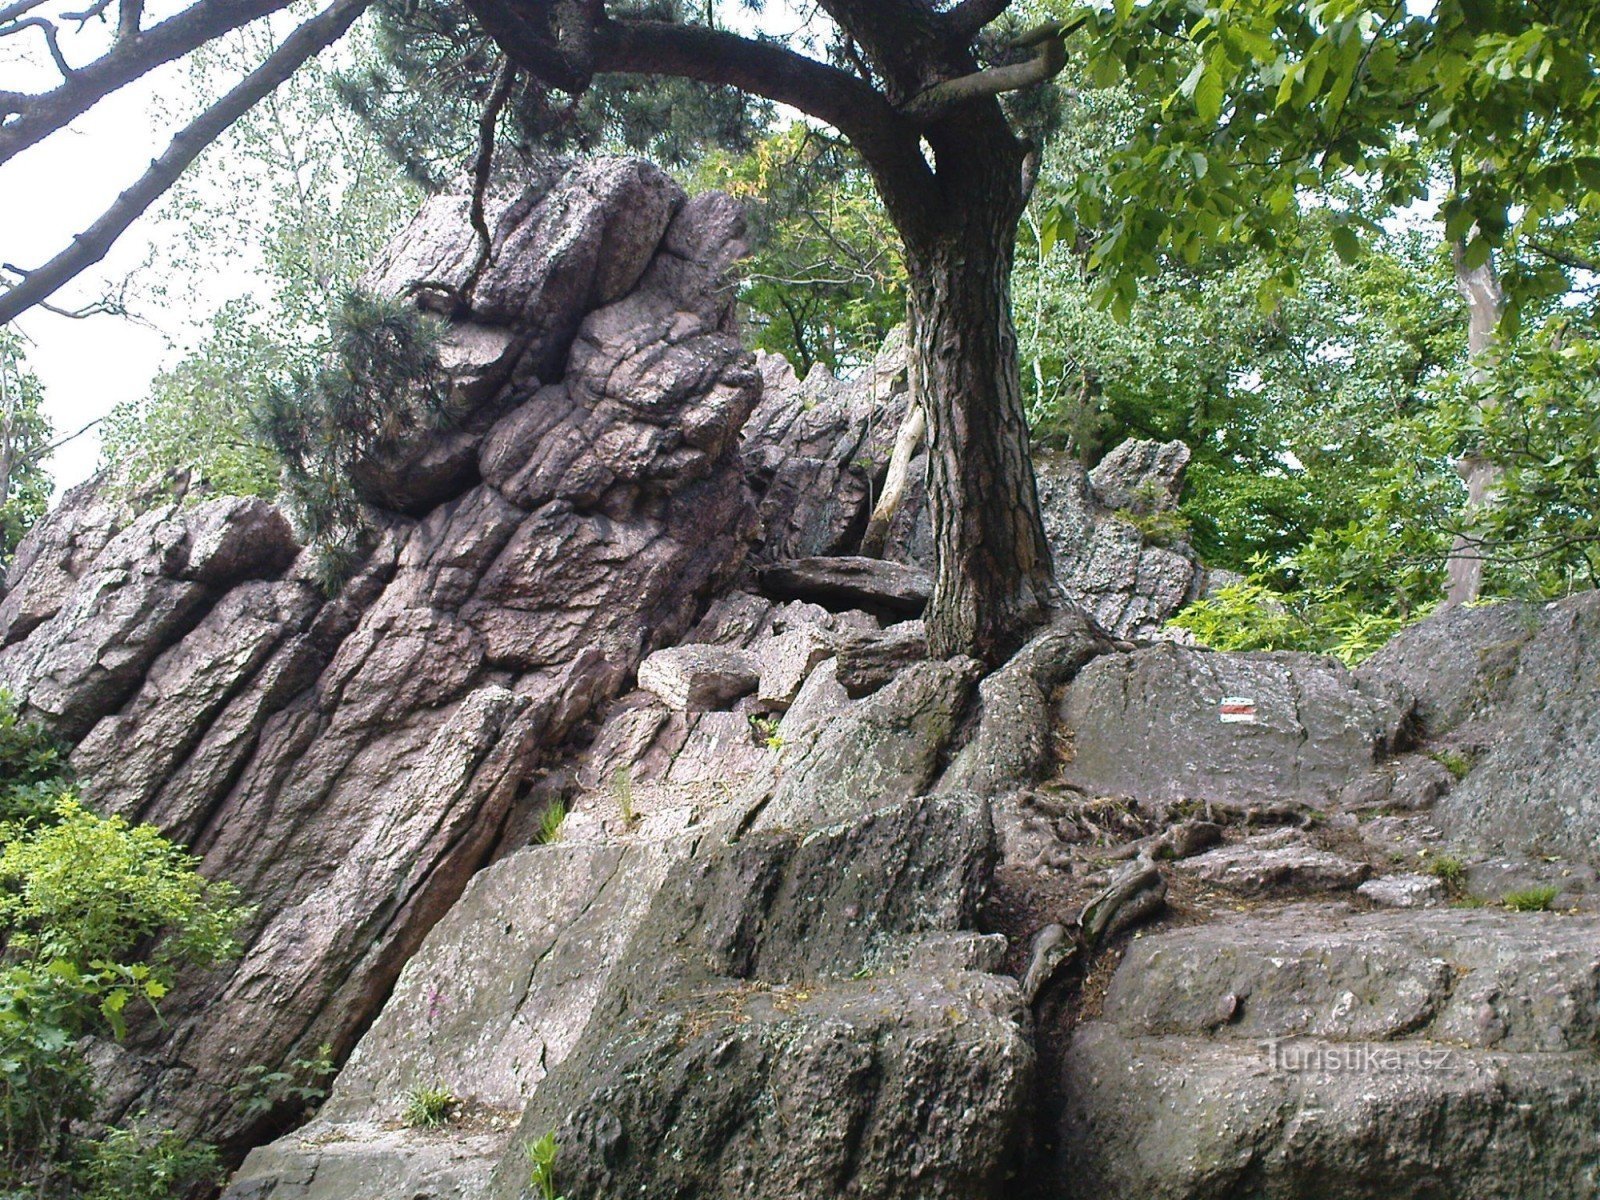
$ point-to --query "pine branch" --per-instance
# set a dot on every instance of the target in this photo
(90, 246)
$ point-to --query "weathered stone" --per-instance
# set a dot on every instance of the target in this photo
(1532, 790)
(1431, 1052)
(350, 764)
(1141, 476)
(694, 678)
(786, 661)
(1283, 861)
(1013, 743)
(867, 663)
(816, 450)
(1457, 662)
(500, 992)
(878, 751)
(854, 582)
(1404, 891)
(1149, 725)
(747, 1049)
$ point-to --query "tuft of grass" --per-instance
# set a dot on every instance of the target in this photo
(1456, 763)
(429, 1107)
(622, 789)
(1450, 871)
(550, 822)
(1537, 899)
(1466, 901)
(541, 1155)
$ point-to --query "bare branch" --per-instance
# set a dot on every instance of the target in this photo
(37, 116)
(48, 28)
(939, 99)
(1565, 257)
(88, 14)
(499, 93)
(12, 11)
(92, 245)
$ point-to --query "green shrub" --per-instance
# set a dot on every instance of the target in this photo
(1450, 871)
(1537, 899)
(95, 915)
(136, 1163)
(33, 766)
(429, 1107)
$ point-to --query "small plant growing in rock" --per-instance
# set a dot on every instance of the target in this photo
(1450, 871)
(541, 1153)
(622, 789)
(550, 822)
(1538, 899)
(1456, 763)
(766, 732)
(305, 1083)
(429, 1107)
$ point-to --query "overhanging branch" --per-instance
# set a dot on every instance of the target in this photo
(939, 99)
(31, 118)
(90, 246)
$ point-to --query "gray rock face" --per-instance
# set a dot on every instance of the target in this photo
(1151, 725)
(1104, 563)
(500, 992)
(1457, 663)
(1534, 752)
(770, 1033)
(814, 451)
(350, 764)
(1322, 1052)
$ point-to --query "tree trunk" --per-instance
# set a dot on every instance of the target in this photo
(1480, 287)
(993, 579)
(906, 444)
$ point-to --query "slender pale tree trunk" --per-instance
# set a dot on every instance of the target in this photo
(1480, 288)
(895, 481)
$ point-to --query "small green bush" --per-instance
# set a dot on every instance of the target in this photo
(136, 1163)
(1450, 871)
(429, 1107)
(1537, 899)
(1458, 764)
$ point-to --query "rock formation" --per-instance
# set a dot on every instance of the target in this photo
(823, 917)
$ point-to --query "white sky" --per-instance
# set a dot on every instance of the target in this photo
(58, 187)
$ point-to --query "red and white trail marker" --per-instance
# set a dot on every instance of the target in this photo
(1236, 710)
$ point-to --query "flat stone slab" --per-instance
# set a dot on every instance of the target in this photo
(1276, 863)
(850, 582)
(699, 678)
(1173, 722)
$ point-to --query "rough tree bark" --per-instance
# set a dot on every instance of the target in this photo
(993, 578)
(1480, 288)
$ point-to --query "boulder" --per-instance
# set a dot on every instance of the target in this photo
(1318, 1051)
(850, 582)
(1404, 891)
(694, 678)
(350, 764)
(1277, 862)
(772, 1029)
(1154, 725)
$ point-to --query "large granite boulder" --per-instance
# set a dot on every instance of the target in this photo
(351, 763)
(802, 1014)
